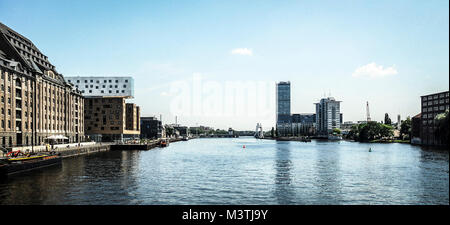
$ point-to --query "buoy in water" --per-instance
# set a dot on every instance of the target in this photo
(370, 149)
(243, 146)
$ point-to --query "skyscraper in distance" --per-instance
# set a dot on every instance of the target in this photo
(283, 104)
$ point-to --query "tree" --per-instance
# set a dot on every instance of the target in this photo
(387, 120)
(386, 130)
(272, 133)
(169, 130)
(442, 127)
(336, 131)
(370, 131)
(405, 129)
(354, 133)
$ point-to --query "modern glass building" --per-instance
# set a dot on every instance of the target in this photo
(283, 104)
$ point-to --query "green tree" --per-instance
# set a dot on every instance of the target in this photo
(370, 131)
(442, 127)
(386, 130)
(272, 132)
(405, 129)
(387, 120)
(354, 133)
(336, 131)
(169, 130)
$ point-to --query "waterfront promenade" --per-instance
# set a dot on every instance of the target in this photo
(75, 149)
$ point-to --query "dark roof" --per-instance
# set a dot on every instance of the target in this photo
(16, 46)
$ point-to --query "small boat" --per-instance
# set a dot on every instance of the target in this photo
(164, 143)
(16, 162)
(185, 138)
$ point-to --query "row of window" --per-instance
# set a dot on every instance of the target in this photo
(24, 46)
(103, 86)
(435, 102)
(102, 91)
(435, 108)
(442, 95)
(97, 81)
(103, 128)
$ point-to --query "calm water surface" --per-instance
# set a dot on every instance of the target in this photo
(221, 171)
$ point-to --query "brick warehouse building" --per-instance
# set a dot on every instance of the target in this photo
(36, 101)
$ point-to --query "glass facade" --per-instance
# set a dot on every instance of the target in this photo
(283, 102)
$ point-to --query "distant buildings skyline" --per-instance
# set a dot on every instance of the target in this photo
(357, 53)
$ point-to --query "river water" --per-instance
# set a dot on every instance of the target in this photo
(222, 171)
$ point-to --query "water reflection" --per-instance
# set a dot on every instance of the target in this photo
(35, 187)
(103, 178)
(210, 171)
(283, 166)
(328, 177)
(430, 168)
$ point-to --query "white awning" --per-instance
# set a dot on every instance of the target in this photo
(57, 137)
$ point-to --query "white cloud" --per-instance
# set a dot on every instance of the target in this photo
(373, 70)
(242, 51)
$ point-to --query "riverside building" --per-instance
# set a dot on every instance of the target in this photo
(103, 86)
(109, 118)
(328, 115)
(151, 128)
(303, 124)
(36, 101)
(432, 105)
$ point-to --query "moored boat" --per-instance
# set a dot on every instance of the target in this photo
(164, 143)
(15, 163)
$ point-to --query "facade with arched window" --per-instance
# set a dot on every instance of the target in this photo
(36, 101)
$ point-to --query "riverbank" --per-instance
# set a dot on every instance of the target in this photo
(75, 149)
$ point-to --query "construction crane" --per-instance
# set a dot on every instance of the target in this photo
(367, 112)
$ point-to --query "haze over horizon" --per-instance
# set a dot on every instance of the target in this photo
(215, 63)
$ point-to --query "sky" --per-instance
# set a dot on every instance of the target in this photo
(215, 63)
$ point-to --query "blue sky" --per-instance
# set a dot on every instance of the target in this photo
(386, 52)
